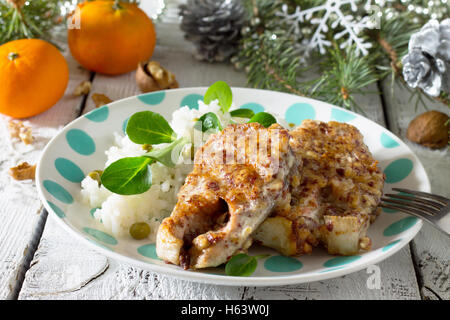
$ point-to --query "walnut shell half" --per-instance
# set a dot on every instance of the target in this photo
(151, 76)
(429, 129)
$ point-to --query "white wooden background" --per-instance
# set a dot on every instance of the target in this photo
(38, 260)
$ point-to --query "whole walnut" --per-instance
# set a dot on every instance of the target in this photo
(430, 129)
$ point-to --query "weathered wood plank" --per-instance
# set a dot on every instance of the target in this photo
(64, 269)
(430, 247)
(396, 284)
(20, 208)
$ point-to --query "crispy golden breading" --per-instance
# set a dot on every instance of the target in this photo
(240, 175)
(338, 196)
(319, 186)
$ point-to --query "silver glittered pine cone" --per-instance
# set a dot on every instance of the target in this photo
(213, 26)
(427, 64)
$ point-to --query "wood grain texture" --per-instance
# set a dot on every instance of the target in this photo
(65, 269)
(90, 275)
(397, 283)
(20, 208)
(430, 247)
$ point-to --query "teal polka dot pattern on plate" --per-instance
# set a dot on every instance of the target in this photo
(341, 115)
(80, 142)
(390, 245)
(339, 261)
(98, 115)
(387, 141)
(148, 250)
(124, 125)
(282, 264)
(298, 112)
(399, 226)
(191, 100)
(152, 98)
(56, 209)
(398, 170)
(58, 191)
(69, 170)
(100, 236)
(255, 107)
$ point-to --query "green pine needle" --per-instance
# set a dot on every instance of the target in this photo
(35, 19)
(271, 56)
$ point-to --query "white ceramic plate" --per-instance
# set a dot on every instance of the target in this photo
(79, 148)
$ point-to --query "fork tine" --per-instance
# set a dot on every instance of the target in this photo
(430, 203)
(426, 210)
(411, 211)
(440, 199)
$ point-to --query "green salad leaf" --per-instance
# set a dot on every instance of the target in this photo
(221, 91)
(168, 154)
(210, 121)
(242, 265)
(132, 175)
(147, 127)
(128, 176)
(264, 118)
(242, 113)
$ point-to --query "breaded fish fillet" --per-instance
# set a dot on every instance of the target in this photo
(338, 196)
(240, 176)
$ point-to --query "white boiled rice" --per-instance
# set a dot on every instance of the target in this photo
(117, 212)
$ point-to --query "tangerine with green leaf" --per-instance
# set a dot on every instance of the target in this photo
(112, 37)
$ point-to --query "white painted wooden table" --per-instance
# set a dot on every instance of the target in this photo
(38, 260)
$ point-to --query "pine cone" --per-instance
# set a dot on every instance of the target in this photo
(213, 26)
(427, 64)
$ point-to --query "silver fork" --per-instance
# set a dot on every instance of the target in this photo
(429, 207)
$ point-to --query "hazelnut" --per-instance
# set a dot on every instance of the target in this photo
(429, 129)
(151, 76)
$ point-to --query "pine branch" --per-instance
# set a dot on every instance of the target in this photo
(30, 19)
(271, 58)
(344, 73)
(275, 65)
(270, 69)
(272, 48)
(391, 53)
